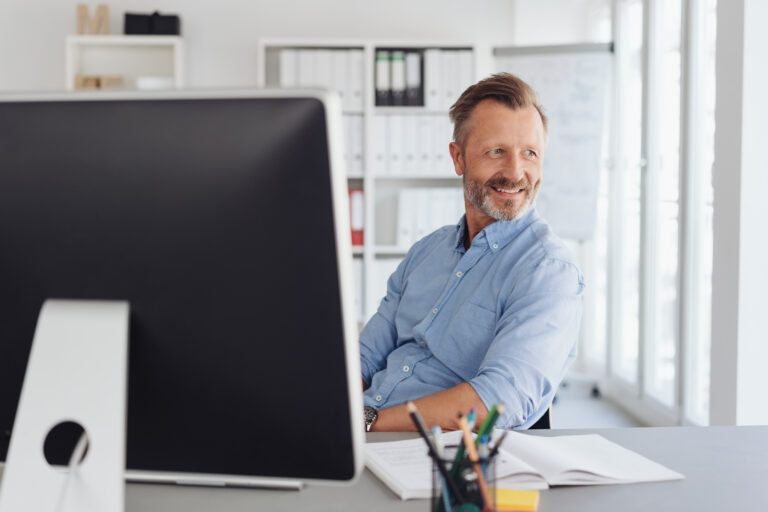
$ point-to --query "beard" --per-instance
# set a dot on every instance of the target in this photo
(479, 196)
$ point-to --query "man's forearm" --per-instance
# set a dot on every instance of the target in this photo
(441, 408)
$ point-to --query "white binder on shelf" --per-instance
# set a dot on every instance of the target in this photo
(348, 143)
(357, 270)
(395, 139)
(422, 218)
(306, 69)
(466, 71)
(406, 211)
(324, 69)
(356, 153)
(289, 67)
(432, 78)
(443, 133)
(448, 67)
(339, 77)
(356, 81)
(380, 144)
(424, 144)
(410, 145)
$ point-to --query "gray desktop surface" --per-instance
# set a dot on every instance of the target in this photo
(726, 468)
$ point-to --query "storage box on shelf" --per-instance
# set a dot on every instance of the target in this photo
(124, 62)
(395, 99)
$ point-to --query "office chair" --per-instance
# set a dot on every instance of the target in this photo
(545, 422)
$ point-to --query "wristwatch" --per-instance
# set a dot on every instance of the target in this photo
(369, 415)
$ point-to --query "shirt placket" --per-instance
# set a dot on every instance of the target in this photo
(465, 264)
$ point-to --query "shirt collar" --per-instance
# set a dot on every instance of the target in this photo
(497, 234)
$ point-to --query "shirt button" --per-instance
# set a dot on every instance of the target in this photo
(406, 368)
(378, 398)
(434, 311)
(459, 273)
(495, 246)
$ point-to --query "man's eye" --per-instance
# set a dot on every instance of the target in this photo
(496, 151)
(530, 152)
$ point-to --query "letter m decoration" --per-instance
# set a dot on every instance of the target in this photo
(99, 24)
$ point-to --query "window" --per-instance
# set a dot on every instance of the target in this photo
(658, 217)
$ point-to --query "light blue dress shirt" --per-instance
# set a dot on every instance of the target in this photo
(503, 316)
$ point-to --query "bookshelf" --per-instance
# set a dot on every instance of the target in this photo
(121, 62)
(397, 153)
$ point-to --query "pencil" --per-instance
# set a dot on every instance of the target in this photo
(416, 417)
(472, 452)
(490, 421)
(437, 438)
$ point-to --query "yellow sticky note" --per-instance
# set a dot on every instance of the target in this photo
(516, 501)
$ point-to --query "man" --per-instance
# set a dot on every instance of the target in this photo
(486, 311)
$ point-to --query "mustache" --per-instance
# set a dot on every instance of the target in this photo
(501, 182)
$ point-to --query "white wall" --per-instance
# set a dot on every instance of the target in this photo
(546, 22)
(221, 36)
(740, 280)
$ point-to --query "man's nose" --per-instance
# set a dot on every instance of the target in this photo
(515, 168)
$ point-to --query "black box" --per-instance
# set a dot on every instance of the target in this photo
(152, 24)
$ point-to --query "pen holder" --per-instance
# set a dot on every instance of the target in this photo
(476, 494)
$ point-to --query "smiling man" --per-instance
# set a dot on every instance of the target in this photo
(486, 311)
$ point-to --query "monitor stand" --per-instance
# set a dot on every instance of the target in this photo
(77, 372)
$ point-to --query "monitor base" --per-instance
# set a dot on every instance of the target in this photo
(77, 373)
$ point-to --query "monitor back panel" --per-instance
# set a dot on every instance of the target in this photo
(213, 218)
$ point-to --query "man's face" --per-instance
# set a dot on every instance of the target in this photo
(501, 161)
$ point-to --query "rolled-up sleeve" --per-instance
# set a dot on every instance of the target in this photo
(534, 342)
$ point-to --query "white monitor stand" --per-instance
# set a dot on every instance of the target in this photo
(77, 371)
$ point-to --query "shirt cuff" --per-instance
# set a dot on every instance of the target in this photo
(493, 391)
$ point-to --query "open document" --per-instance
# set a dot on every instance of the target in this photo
(524, 462)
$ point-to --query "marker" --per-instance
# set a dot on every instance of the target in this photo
(416, 417)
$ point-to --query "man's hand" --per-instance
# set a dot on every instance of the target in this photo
(441, 408)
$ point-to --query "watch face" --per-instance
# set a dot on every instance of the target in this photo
(370, 414)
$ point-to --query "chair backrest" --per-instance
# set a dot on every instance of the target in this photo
(544, 422)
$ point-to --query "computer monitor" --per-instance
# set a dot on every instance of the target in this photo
(222, 218)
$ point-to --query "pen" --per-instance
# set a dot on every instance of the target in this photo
(484, 453)
(437, 438)
(472, 452)
(416, 417)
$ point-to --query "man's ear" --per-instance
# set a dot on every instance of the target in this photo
(457, 157)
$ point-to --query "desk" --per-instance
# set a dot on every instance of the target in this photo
(726, 468)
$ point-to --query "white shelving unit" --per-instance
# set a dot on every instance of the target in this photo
(157, 58)
(380, 252)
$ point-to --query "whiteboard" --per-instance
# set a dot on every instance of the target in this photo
(572, 85)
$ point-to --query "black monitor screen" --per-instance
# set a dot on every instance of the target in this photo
(214, 219)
